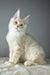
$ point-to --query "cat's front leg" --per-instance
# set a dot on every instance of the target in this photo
(16, 56)
(10, 58)
(10, 55)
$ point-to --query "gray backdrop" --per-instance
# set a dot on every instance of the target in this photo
(38, 25)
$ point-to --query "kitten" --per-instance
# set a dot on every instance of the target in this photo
(23, 47)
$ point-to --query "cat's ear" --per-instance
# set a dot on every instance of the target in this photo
(17, 14)
(26, 19)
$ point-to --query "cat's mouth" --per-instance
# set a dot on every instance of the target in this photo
(17, 29)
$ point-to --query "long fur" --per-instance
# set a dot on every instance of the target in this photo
(22, 46)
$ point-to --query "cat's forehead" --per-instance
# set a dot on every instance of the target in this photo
(18, 20)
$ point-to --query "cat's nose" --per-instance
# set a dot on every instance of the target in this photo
(17, 26)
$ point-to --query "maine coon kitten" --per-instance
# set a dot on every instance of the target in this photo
(23, 47)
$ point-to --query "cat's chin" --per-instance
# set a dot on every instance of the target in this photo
(17, 30)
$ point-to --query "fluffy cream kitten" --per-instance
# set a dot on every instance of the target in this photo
(23, 47)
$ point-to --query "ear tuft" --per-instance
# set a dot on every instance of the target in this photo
(26, 19)
(17, 14)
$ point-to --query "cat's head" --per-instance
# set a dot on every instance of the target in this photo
(18, 24)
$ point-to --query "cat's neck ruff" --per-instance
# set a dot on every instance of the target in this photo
(17, 34)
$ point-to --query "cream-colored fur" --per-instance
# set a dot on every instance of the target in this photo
(22, 46)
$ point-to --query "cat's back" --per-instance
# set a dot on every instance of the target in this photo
(30, 43)
(32, 48)
(29, 39)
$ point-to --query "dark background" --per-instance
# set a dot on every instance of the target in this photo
(39, 24)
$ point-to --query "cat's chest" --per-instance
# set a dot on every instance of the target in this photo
(12, 37)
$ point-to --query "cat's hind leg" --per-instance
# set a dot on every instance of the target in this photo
(35, 62)
(30, 63)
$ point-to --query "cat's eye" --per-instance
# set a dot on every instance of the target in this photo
(21, 24)
(15, 22)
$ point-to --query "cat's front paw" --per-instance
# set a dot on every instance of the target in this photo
(9, 63)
